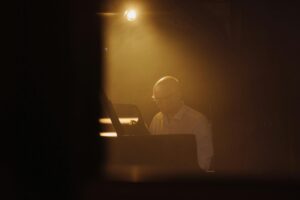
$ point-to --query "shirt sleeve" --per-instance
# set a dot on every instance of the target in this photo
(153, 126)
(203, 135)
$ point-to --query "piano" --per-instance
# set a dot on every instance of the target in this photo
(133, 154)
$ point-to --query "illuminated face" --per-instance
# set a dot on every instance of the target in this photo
(166, 99)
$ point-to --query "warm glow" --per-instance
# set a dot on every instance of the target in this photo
(127, 120)
(108, 134)
(130, 14)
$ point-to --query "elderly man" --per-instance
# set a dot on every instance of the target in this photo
(177, 118)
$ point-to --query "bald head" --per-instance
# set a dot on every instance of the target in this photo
(167, 94)
(168, 82)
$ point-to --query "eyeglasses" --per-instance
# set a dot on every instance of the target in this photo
(160, 99)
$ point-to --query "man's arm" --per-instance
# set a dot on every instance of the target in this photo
(204, 143)
(156, 124)
(153, 126)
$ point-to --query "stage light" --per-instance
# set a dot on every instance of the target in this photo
(130, 15)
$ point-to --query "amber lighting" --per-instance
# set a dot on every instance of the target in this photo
(108, 134)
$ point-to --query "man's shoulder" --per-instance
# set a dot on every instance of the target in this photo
(198, 121)
(194, 114)
(158, 116)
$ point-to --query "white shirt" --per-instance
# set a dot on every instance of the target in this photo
(187, 121)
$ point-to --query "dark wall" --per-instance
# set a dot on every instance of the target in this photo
(263, 107)
(257, 133)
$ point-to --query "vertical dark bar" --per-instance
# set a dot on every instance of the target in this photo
(57, 98)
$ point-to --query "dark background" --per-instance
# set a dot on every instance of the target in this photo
(51, 106)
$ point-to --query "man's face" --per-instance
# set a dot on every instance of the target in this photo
(166, 99)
